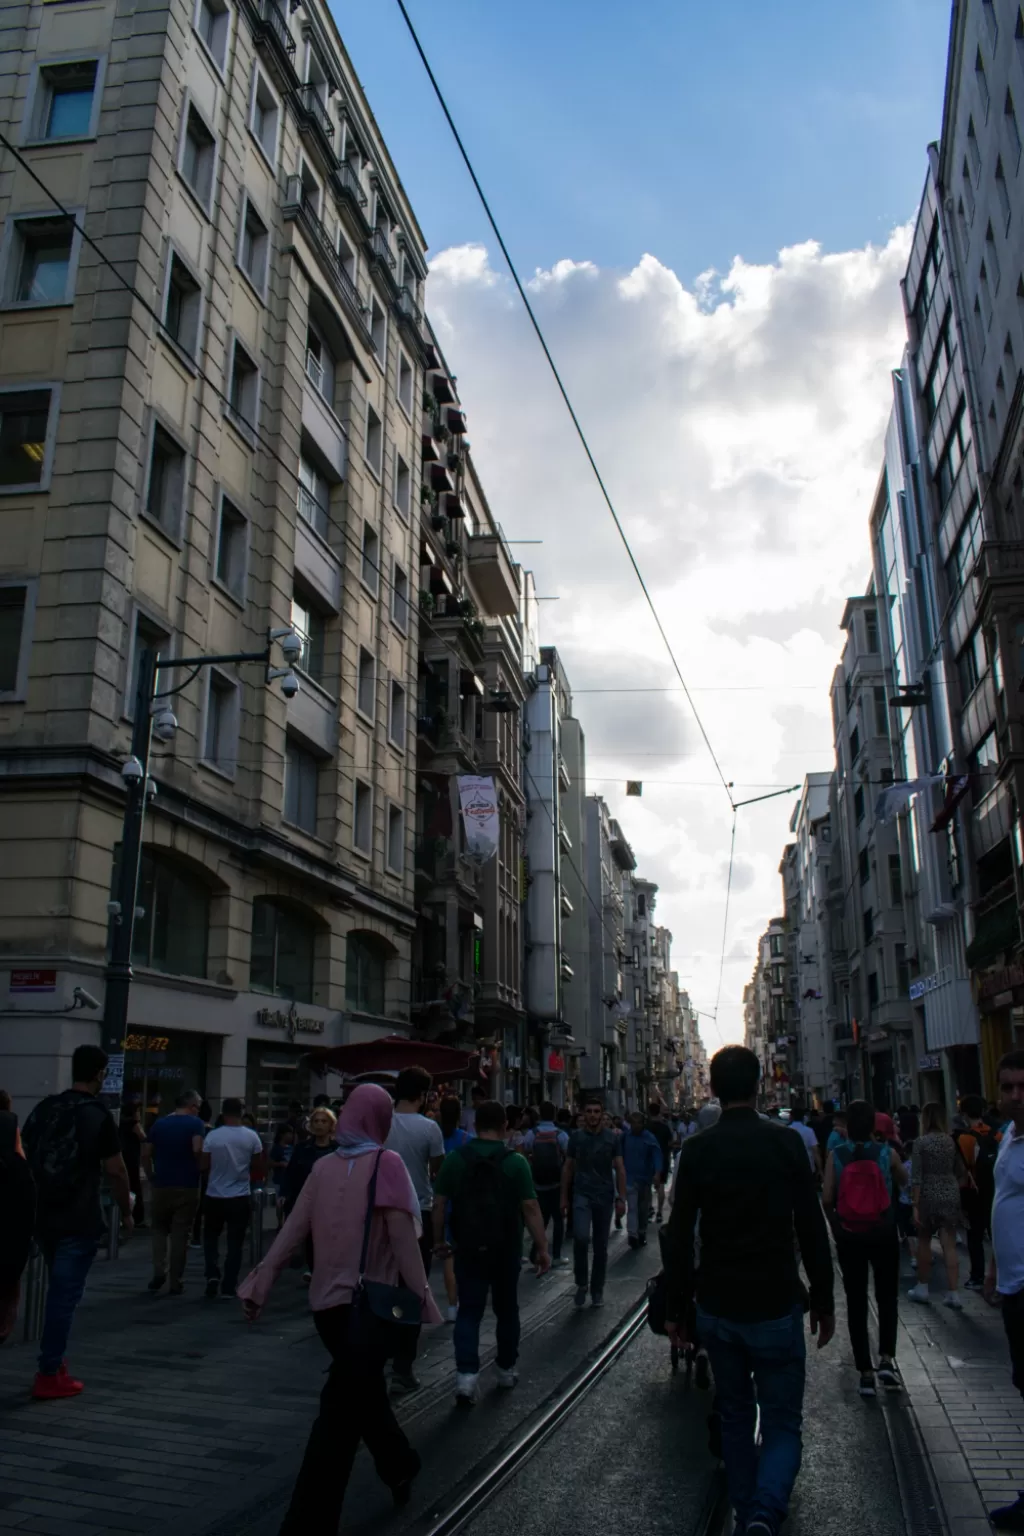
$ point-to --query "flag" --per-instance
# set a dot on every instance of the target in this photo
(957, 786)
(896, 797)
(480, 817)
(634, 787)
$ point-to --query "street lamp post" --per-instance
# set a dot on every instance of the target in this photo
(152, 720)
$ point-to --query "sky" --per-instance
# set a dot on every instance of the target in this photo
(712, 205)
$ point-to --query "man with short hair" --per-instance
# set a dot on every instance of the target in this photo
(594, 1179)
(467, 1121)
(750, 1188)
(70, 1142)
(798, 1123)
(546, 1148)
(233, 1153)
(1005, 1277)
(662, 1133)
(641, 1155)
(420, 1144)
(171, 1155)
(492, 1196)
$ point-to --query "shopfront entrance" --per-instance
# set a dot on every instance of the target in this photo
(275, 1076)
(158, 1068)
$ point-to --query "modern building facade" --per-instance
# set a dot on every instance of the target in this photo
(609, 868)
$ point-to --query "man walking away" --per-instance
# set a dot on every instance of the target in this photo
(1005, 1278)
(468, 1121)
(171, 1155)
(492, 1195)
(641, 1155)
(979, 1147)
(233, 1153)
(594, 1179)
(420, 1144)
(750, 1187)
(798, 1123)
(71, 1141)
(546, 1148)
(662, 1133)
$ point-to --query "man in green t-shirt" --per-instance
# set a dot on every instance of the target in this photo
(492, 1196)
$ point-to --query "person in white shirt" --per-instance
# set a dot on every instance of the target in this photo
(807, 1136)
(232, 1153)
(420, 1144)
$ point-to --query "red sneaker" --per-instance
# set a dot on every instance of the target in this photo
(60, 1384)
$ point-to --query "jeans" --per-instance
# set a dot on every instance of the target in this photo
(232, 1213)
(354, 1406)
(550, 1202)
(858, 1255)
(590, 1215)
(406, 1353)
(638, 1208)
(68, 1261)
(769, 1356)
(475, 1275)
(173, 1212)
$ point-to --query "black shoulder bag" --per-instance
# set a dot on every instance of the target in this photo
(379, 1310)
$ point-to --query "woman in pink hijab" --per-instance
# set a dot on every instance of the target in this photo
(331, 1209)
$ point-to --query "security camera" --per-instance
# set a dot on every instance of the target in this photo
(84, 999)
(132, 771)
(165, 724)
(291, 647)
(289, 684)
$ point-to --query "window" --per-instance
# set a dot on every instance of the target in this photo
(311, 628)
(213, 23)
(232, 548)
(1012, 130)
(282, 952)
(366, 684)
(400, 598)
(27, 427)
(379, 330)
(396, 715)
(254, 247)
(953, 455)
(972, 663)
(927, 286)
(362, 818)
(319, 364)
(264, 116)
(848, 693)
(149, 638)
(165, 487)
(182, 306)
(638, 1002)
(854, 744)
(881, 712)
(313, 497)
(992, 259)
(365, 966)
(972, 147)
(1002, 193)
(985, 756)
(858, 803)
(864, 866)
(902, 971)
(871, 630)
(938, 375)
(869, 925)
(171, 934)
(775, 944)
(198, 154)
(965, 551)
(984, 299)
(405, 382)
(374, 441)
(982, 81)
(301, 786)
(310, 188)
(872, 985)
(220, 744)
(370, 569)
(895, 880)
(66, 101)
(403, 487)
(968, 199)
(396, 839)
(39, 268)
(641, 906)
(14, 614)
(243, 389)
(989, 12)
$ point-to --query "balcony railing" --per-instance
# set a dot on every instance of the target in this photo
(315, 371)
(312, 511)
(380, 249)
(347, 184)
(272, 27)
(297, 206)
(407, 309)
(312, 111)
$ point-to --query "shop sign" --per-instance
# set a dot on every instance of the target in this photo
(992, 984)
(930, 1063)
(556, 1061)
(877, 1035)
(113, 1083)
(291, 1021)
(33, 981)
(921, 985)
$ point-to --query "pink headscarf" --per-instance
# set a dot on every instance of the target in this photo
(884, 1125)
(363, 1127)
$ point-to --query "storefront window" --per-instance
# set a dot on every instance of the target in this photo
(172, 932)
(281, 960)
(365, 962)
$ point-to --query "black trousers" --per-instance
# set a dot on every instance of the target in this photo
(406, 1353)
(233, 1214)
(550, 1201)
(880, 1256)
(1013, 1322)
(974, 1213)
(354, 1406)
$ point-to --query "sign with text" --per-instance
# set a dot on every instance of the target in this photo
(23, 981)
(290, 1020)
(556, 1061)
(479, 804)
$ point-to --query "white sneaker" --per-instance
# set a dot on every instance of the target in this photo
(952, 1300)
(506, 1378)
(466, 1387)
(919, 1292)
(451, 1314)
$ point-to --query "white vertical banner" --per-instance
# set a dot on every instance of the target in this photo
(479, 801)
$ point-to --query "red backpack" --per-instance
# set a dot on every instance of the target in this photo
(863, 1204)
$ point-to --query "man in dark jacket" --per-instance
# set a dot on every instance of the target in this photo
(750, 1188)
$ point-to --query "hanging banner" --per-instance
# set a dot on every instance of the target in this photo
(479, 802)
(896, 797)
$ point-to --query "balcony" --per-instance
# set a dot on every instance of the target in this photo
(456, 422)
(297, 208)
(274, 41)
(312, 511)
(494, 573)
(441, 480)
(563, 836)
(409, 312)
(315, 121)
(431, 446)
(382, 261)
(999, 564)
(992, 819)
(348, 189)
(563, 773)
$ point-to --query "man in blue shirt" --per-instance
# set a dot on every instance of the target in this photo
(171, 1157)
(642, 1156)
(546, 1149)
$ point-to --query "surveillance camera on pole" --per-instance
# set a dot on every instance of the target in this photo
(165, 723)
(84, 999)
(289, 682)
(290, 643)
(132, 771)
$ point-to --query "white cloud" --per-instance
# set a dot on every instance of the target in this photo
(738, 425)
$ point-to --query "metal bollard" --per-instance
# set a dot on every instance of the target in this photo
(114, 1232)
(256, 1207)
(33, 1297)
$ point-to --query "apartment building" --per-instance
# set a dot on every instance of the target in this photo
(609, 868)
(769, 988)
(228, 450)
(812, 828)
(640, 899)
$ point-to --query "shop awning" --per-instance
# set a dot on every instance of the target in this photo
(393, 1052)
(997, 933)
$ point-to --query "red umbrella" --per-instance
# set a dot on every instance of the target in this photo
(393, 1052)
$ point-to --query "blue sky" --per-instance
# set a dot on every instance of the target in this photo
(691, 130)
